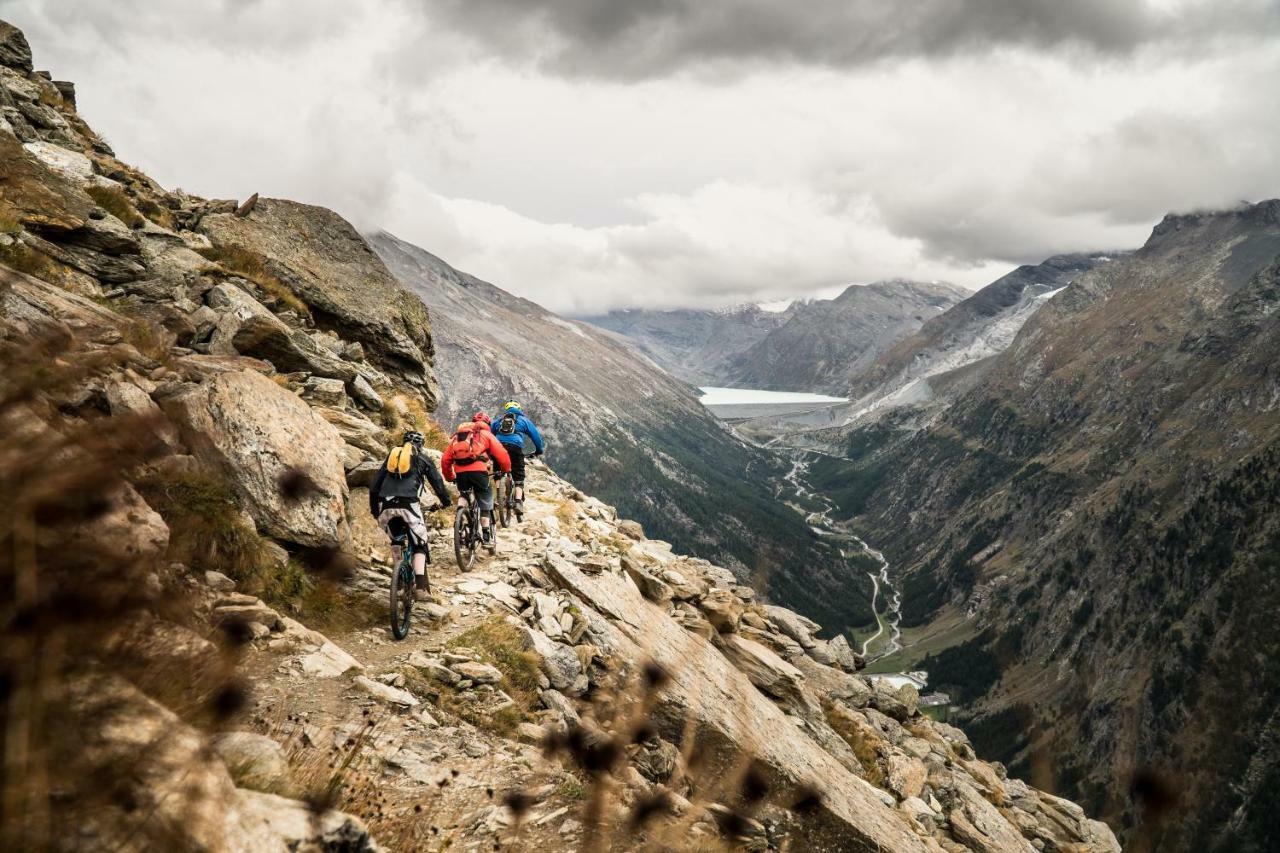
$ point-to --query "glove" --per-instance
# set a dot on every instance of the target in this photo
(537, 453)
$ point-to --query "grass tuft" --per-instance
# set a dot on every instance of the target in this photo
(157, 213)
(21, 257)
(114, 201)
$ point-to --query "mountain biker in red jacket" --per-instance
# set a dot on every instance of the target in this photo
(466, 463)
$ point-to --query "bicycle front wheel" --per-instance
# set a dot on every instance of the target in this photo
(402, 598)
(464, 539)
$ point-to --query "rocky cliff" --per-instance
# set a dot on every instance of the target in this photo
(194, 651)
(1100, 512)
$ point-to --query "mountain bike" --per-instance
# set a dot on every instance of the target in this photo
(466, 531)
(506, 501)
(402, 582)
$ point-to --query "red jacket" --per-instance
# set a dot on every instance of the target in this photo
(493, 448)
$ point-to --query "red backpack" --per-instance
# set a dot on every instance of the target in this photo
(468, 445)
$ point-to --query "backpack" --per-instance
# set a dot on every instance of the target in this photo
(507, 426)
(468, 446)
(400, 460)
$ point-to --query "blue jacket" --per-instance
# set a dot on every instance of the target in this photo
(524, 427)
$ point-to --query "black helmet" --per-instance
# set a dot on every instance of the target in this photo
(414, 437)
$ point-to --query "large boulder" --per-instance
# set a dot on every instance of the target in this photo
(330, 267)
(257, 433)
(14, 50)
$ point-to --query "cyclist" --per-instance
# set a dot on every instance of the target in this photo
(397, 493)
(512, 430)
(466, 463)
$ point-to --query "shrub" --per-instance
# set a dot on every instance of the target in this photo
(114, 201)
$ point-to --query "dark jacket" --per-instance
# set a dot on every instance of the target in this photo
(395, 490)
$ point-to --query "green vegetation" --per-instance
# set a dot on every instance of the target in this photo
(114, 201)
(500, 644)
(966, 671)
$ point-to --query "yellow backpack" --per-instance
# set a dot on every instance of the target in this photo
(400, 460)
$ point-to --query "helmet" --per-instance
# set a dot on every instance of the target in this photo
(413, 437)
(480, 418)
(509, 405)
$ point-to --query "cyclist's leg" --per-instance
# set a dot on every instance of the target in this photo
(418, 538)
(517, 471)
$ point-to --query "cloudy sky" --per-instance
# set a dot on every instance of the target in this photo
(593, 155)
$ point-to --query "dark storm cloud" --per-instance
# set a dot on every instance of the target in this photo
(643, 38)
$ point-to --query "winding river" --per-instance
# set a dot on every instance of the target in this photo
(820, 522)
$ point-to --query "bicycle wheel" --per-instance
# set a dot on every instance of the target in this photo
(464, 539)
(402, 597)
(503, 515)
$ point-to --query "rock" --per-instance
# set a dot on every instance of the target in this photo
(256, 433)
(904, 776)
(246, 613)
(558, 662)
(357, 431)
(219, 582)
(290, 825)
(771, 674)
(329, 392)
(722, 609)
(385, 693)
(70, 164)
(650, 586)
(732, 716)
(790, 624)
(685, 586)
(245, 209)
(561, 704)
(363, 474)
(480, 673)
(979, 825)
(530, 733)
(330, 267)
(328, 661)
(631, 529)
(255, 761)
(899, 703)
(656, 760)
(128, 530)
(433, 668)
(15, 52)
(266, 337)
(364, 394)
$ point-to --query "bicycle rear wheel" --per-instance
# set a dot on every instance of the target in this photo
(402, 597)
(464, 543)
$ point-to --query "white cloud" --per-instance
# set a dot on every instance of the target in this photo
(703, 184)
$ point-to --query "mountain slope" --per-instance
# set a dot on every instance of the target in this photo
(699, 347)
(1103, 504)
(622, 429)
(827, 342)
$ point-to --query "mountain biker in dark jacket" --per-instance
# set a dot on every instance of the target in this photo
(399, 496)
(512, 430)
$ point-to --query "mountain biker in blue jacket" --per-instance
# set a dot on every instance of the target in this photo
(512, 430)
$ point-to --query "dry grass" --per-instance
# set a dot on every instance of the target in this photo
(253, 266)
(853, 732)
(401, 412)
(499, 643)
(10, 220)
(114, 201)
(21, 257)
(157, 213)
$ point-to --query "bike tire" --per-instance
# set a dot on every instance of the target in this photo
(503, 515)
(460, 535)
(402, 598)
